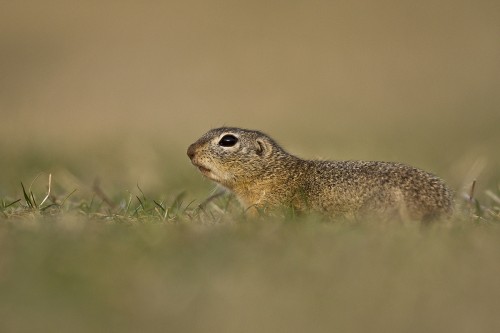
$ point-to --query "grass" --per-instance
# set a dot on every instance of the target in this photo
(138, 263)
(113, 241)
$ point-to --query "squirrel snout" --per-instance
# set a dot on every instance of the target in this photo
(191, 151)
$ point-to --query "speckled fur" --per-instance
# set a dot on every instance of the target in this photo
(263, 175)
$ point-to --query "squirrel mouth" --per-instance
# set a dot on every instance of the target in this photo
(203, 169)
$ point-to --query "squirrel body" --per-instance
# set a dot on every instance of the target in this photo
(264, 176)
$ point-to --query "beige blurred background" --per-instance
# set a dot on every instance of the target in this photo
(118, 89)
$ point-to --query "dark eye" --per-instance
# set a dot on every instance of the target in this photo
(228, 140)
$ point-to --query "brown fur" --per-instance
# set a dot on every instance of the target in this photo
(263, 175)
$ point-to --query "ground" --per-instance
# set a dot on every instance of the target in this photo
(146, 265)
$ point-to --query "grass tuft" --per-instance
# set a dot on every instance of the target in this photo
(215, 209)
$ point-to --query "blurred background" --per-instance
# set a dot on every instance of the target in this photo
(117, 90)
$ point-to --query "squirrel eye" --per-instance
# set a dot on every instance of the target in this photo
(228, 140)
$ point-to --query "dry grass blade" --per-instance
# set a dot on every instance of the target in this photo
(493, 196)
(100, 193)
(48, 191)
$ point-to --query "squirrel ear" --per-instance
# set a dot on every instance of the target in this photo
(264, 148)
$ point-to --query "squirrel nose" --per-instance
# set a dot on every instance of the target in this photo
(191, 151)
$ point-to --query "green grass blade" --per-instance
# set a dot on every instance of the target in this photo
(26, 197)
(70, 194)
(33, 198)
(12, 203)
(159, 205)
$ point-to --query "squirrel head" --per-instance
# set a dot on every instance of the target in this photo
(230, 156)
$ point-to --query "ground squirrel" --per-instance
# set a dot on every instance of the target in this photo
(263, 175)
